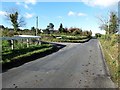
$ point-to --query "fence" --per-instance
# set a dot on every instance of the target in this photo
(21, 37)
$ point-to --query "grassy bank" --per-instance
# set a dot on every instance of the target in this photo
(111, 45)
(17, 57)
(64, 38)
(11, 55)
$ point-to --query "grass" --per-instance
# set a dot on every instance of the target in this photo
(110, 45)
(21, 56)
(9, 56)
(31, 53)
(64, 38)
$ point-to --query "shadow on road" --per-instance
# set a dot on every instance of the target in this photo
(56, 47)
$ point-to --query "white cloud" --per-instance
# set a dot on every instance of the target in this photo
(18, 3)
(23, 4)
(71, 13)
(2, 13)
(28, 15)
(59, 16)
(101, 3)
(26, 6)
(30, 1)
(81, 14)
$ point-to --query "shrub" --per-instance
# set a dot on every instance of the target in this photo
(97, 35)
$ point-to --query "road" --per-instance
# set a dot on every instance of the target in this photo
(75, 66)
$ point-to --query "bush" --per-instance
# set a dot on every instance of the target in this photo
(114, 39)
(97, 35)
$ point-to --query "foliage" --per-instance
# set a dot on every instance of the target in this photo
(110, 25)
(61, 29)
(16, 22)
(113, 26)
(64, 38)
(14, 18)
(97, 35)
(33, 28)
(50, 26)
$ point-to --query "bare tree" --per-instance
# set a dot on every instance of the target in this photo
(110, 24)
(104, 23)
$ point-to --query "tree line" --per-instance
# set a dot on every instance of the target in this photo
(17, 21)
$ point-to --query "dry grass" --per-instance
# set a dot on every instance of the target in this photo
(112, 55)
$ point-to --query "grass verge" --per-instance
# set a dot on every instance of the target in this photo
(110, 45)
(65, 38)
(30, 55)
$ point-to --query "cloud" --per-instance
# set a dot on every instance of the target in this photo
(26, 6)
(2, 13)
(71, 13)
(23, 4)
(18, 3)
(59, 16)
(28, 15)
(101, 3)
(30, 2)
(81, 14)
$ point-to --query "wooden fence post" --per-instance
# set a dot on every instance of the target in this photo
(27, 42)
(39, 42)
(12, 44)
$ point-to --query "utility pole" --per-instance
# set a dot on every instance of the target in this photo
(36, 25)
(108, 28)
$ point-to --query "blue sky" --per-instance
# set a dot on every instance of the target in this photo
(82, 14)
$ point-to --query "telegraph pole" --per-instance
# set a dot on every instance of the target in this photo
(36, 25)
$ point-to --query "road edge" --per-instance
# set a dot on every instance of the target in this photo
(103, 57)
(105, 64)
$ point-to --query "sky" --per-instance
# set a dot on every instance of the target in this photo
(82, 14)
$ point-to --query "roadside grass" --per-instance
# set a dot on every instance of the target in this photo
(110, 45)
(20, 57)
(64, 38)
(11, 55)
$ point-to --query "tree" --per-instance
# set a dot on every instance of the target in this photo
(103, 23)
(61, 29)
(109, 25)
(16, 21)
(47, 29)
(33, 28)
(97, 35)
(113, 26)
(50, 26)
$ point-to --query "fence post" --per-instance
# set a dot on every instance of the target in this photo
(27, 42)
(12, 44)
(39, 42)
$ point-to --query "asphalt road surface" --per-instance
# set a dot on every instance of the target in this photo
(75, 66)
